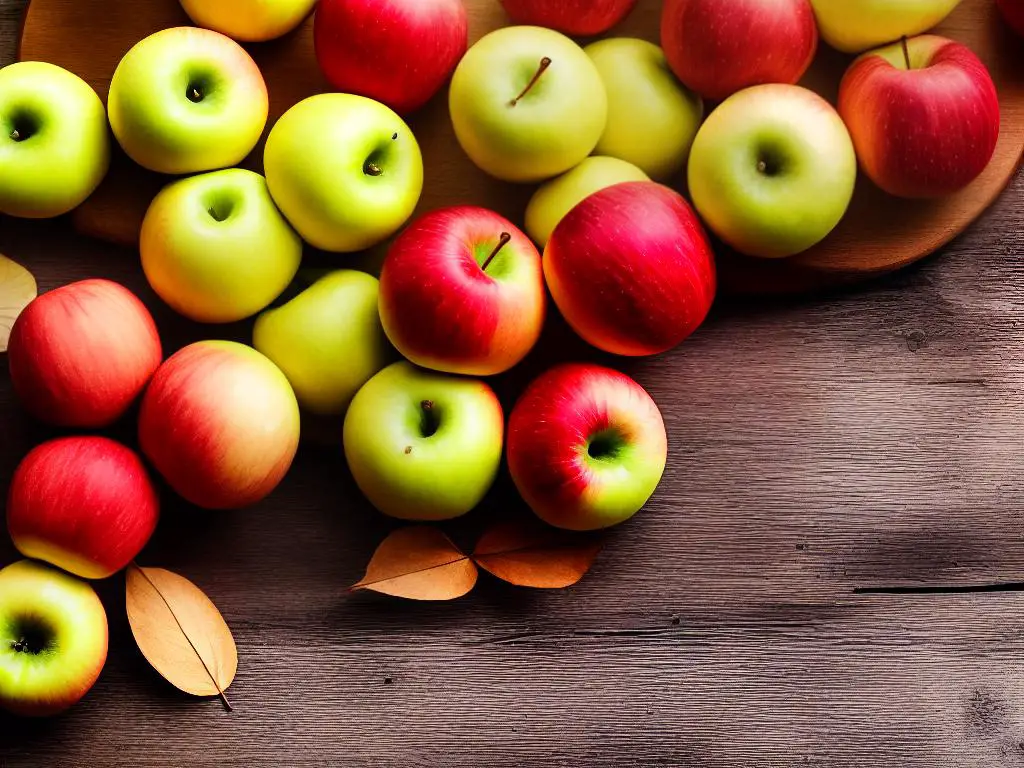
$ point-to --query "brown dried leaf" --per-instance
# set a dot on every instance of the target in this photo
(17, 289)
(419, 563)
(527, 553)
(180, 632)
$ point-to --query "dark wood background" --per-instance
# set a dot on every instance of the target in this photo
(825, 579)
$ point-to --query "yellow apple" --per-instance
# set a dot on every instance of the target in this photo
(853, 26)
(249, 21)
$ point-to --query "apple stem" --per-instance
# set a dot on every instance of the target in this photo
(544, 64)
(372, 169)
(194, 95)
(906, 52)
(16, 134)
(504, 240)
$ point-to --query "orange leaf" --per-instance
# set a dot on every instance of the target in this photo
(419, 563)
(529, 554)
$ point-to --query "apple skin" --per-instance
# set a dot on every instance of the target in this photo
(580, 18)
(631, 269)
(652, 117)
(328, 340)
(81, 354)
(220, 422)
(62, 149)
(555, 198)
(345, 170)
(586, 447)
(1013, 11)
(772, 170)
(250, 21)
(527, 134)
(41, 604)
(719, 47)
(156, 121)
(854, 26)
(399, 52)
(927, 132)
(405, 471)
(84, 504)
(215, 247)
(443, 311)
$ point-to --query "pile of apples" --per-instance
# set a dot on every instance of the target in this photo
(463, 293)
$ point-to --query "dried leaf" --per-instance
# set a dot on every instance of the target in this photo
(17, 289)
(419, 563)
(529, 554)
(180, 632)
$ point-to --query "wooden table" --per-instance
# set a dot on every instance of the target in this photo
(825, 579)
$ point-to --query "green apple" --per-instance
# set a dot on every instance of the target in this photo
(652, 117)
(345, 170)
(553, 200)
(54, 148)
(53, 639)
(215, 247)
(853, 26)
(424, 445)
(772, 170)
(328, 340)
(251, 21)
(527, 104)
(185, 100)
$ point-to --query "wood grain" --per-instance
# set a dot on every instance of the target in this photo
(879, 234)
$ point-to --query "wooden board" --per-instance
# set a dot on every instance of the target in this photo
(880, 233)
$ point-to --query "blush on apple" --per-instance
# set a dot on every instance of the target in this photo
(81, 354)
(84, 504)
(571, 17)
(1013, 10)
(719, 47)
(923, 115)
(631, 269)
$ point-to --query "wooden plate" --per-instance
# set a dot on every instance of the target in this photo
(880, 234)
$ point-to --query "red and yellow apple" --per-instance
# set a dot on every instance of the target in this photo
(1013, 10)
(220, 422)
(923, 116)
(462, 291)
(251, 21)
(81, 354)
(572, 17)
(586, 447)
(631, 269)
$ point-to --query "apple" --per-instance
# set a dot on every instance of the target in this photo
(582, 18)
(1013, 10)
(185, 100)
(84, 504)
(54, 147)
(527, 104)
(345, 170)
(220, 422)
(53, 639)
(555, 198)
(923, 115)
(215, 247)
(462, 291)
(631, 269)
(328, 340)
(399, 52)
(772, 170)
(853, 26)
(423, 445)
(719, 47)
(652, 117)
(586, 447)
(251, 21)
(81, 354)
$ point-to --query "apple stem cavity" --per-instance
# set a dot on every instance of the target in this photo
(504, 240)
(906, 52)
(429, 422)
(544, 64)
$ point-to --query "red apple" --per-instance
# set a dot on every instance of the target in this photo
(1013, 10)
(462, 291)
(81, 354)
(84, 504)
(586, 447)
(572, 17)
(719, 47)
(631, 269)
(399, 52)
(220, 422)
(924, 119)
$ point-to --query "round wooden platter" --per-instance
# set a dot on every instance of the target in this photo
(879, 234)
